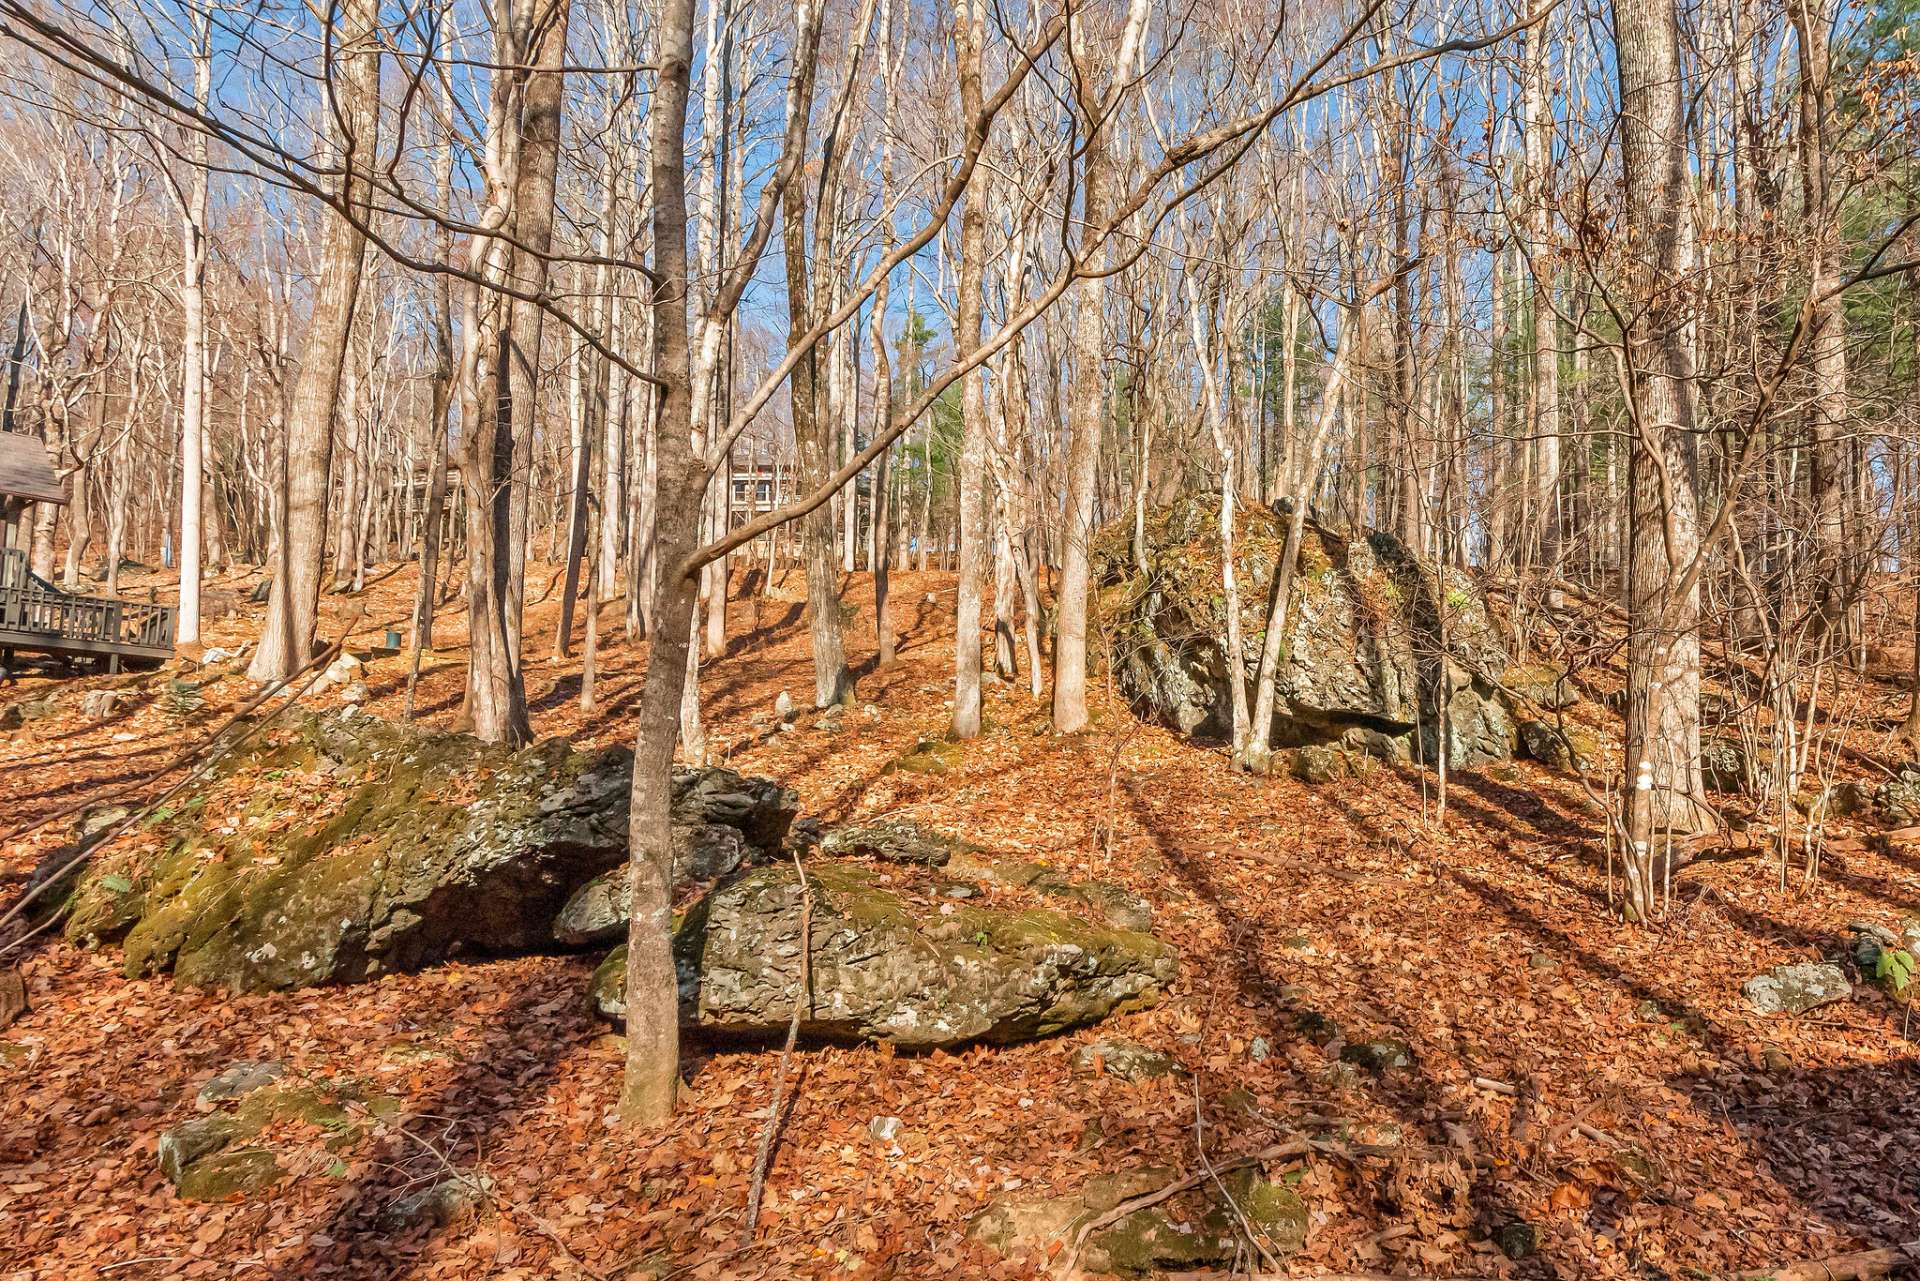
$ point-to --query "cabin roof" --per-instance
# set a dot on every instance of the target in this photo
(26, 472)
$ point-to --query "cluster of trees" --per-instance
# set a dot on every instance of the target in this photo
(1609, 301)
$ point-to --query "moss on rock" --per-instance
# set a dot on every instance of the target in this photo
(884, 968)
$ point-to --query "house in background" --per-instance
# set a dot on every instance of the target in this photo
(38, 617)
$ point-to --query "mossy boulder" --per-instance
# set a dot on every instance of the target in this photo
(353, 847)
(598, 912)
(204, 1158)
(886, 968)
(1195, 1229)
(928, 756)
(1380, 649)
(1567, 748)
(894, 841)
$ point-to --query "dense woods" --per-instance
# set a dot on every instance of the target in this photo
(1608, 314)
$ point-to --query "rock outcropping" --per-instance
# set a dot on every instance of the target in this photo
(885, 967)
(354, 847)
(1198, 1228)
(1377, 644)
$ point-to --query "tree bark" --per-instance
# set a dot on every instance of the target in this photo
(969, 40)
(1663, 595)
(287, 639)
(652, 1076)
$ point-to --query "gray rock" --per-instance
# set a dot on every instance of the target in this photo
(1382, 1055)
(760, 808)
(1797, 988)
(1316, 765)
(1195, 1229)
(405, 848)
(1518, 1240)
(1542, 685)
(203, 1159)
(1723, 764)
(1123, 1059)
(1898, 799)
(599, 911)
(1843, 800)
(239, 1080)
(441, 1204)
(32, 709)
(224, 1175)
(1363, 637)
(183, 1144)
(884, 969)
(894, 841)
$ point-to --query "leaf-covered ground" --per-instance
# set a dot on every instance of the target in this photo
(1652, 1124)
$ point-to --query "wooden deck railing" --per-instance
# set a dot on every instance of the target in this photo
(34, 614)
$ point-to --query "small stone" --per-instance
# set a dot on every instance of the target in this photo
(1797, 988)
(1122, 1059)
(341, 670)
(1381, 1055)
(239, 1080)
(1317, 765)
(229, 1174)
(440, 1204)
(1517, 1240)
(1259, 1049)
(884, 1128)
(189, 1142)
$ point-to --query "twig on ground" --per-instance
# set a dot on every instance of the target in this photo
(488, 1191)
(1070, 1257)
(802, 997)
(1200, 1149)
(316, 665)
(1861, 1265)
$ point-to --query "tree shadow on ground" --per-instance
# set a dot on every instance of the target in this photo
(1415, 1099)
(1791, 1119)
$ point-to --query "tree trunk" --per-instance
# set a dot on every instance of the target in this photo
(969, 39)
(832, 682)
(652, 1075)
(1662, 585)
(287, 639)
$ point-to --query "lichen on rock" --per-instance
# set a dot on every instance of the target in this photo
(354, 847)
(885, 969)
(1378, 645)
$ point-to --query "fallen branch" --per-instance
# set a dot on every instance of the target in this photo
(246, 709)
(317, 666)
(1862, 1265)
(801, 999)
(1070, 1257)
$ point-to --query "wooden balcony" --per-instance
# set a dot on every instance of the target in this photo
(37, 616)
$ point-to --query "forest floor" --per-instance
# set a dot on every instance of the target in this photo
(1657, 1126)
